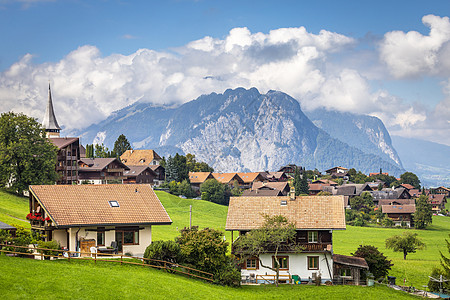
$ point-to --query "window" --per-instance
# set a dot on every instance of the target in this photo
(252, 263)
(127, 237)
(114, 203)
(346, 272)
(313, 262)
(283, 262)
(313, 236)
(100, 238)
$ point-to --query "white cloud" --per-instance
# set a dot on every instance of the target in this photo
(412, 54)
(87, 87)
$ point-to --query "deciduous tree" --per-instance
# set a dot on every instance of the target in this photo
(423, 216)
(410, 178)
(378, 264)
(407, 243)
(212, 190)
(26, 155)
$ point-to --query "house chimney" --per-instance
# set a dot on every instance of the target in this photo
(131, 151)
(292, 194)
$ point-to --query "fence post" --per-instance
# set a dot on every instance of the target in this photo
(95, 257)
(121, 259)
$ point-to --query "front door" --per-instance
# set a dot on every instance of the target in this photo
(119, 240)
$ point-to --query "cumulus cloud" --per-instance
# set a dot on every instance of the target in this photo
(87, 87)
(412, 54)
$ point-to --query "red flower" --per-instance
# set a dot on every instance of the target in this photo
(47, 219)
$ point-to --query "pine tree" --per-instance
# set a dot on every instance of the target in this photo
(424, 214)
(121, 145)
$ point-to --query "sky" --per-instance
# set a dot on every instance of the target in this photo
(389, 59)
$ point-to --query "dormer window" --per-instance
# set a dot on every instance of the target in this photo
(114, 204)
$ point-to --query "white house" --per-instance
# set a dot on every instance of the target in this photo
(315, 218)
(84, 216)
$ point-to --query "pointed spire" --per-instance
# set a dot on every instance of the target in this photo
(50, 124)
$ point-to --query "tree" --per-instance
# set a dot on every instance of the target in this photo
(184, 188)
(171, 170)
(275, 233)
(102, 151)
(121, 145)
(406, 243)
(300, 183)
(378, 264)
(410, 178)
(236, 191)
(424, 214)
(445, 261)
(181, 167)
(164, 250)
(26, 155)
(89, 150)
(194, 166)
(213, 191)
(363, 202)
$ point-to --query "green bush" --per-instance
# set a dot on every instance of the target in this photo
(433, 285)
(230, 275)
(164, 250)
(49, 245)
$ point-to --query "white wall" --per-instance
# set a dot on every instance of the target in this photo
(60, 236)
(145, 239)
(298, 265)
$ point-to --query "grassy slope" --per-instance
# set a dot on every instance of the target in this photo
(15, 206)
(415, 269)
(25, 278)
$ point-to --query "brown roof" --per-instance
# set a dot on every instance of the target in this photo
(414, 192)
(83, 205)
(382, 202)
(275, 175)
(276, 185)
(350, 261)
(317, 186)
(398, 209)
(226, 177)
(137, 170)
(444, 188)
(199, 177)
(262, 193)
(139, 157)
(63, 142)
(325, 181)
(250, 177)
(436, 198)
(307, 212)
(98, 164)
(407, 186)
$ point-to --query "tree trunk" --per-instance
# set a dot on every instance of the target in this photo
(404, 254)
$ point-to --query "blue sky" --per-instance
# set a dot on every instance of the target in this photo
(103, 55)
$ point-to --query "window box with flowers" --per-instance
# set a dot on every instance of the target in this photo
(35, 219)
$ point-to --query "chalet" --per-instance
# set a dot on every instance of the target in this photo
(281, 186)
(396, 202)
(228, 178)
(442, 190)
(197, 178)
(407, 186)
(275, 176)
(139, 174)
(67, 159)
(140, 158)
(101, 170)
(325, 181)
(375, 174)
(102, 215)
(400, 213)
(437, 202)
(337, 172)
(289, 170)
(315, 188)
(160, 174)
(250, 178)
(314, 217)
(415, 193)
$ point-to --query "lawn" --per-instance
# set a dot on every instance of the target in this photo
(22, 278)
(12, 208)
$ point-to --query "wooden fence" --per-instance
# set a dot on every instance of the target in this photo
(93, 256)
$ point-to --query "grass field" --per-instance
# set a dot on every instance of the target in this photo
(415, 269)
(12, 208)
(22, 278)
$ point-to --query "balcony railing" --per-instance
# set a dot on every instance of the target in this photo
(118, 170)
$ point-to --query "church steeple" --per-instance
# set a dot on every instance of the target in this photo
(50, 124)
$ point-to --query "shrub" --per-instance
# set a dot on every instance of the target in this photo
(378, 264)
(49, 245)
(164, 250)
(230, 275)
(434, 285)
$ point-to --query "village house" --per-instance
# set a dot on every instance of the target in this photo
(198, 178)
(282, 186)
(400, 214)
(139, 174)
(140, 158)
(249, 178)
(275, 176)
(228, 178)
(437, 202)
(348, 269)
(338, 172)
(442, 190)
(315, 218)
(101, 170)
(79, 217)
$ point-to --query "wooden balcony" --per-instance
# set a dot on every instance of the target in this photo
(117, 170)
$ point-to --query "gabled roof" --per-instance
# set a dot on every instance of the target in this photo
(63, 142)
(139, 157)
(98, 164)
(84, 205)
(276, 185)
(270, 192)
(325, 181)
(346, 190)
(414, 192)
(443, 188)
(307, 212)
(334, 169)
(396, 202)
(250, 177)
(317, 186)
(199, 177)
(226, 177)
(398, 209)
(137, 170)
(407, 186)
(436, 198)
(275, 175)
(6, 226)
(350, 261)
(155, 167)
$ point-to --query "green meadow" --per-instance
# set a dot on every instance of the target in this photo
(415, 269)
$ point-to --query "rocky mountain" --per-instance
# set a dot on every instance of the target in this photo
(364, 132)
(239, 130)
